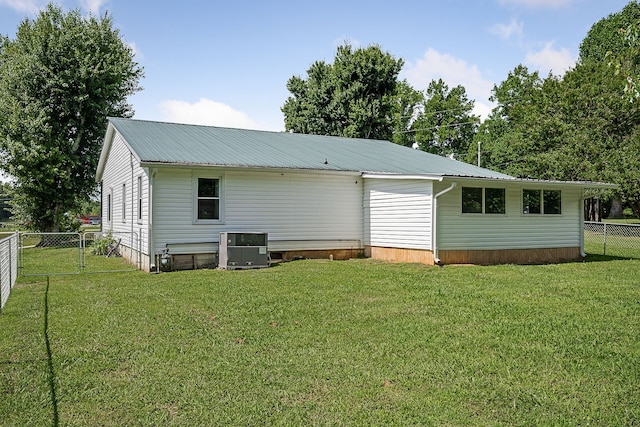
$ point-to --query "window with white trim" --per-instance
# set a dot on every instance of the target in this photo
(139, 198)
(483, 200)
(207, 203)
(547, 202)
(109, 205)
(124, 202)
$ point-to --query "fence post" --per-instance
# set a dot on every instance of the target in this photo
(2, 305)
(604, 249)
(10, 263)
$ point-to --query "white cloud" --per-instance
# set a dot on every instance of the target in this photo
(136, 50)
(549, 59)
(206, 112)
(29, 6)
(506, 31)
(554, 4)
(34, 6)
(93, 6)
(453, 71)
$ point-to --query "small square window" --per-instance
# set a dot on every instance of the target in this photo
(471, 200)
(552, 202)
(495, 201)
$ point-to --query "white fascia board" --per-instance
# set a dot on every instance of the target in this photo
(537, 182)
(104, 152)
(401, 176)
(205, 166)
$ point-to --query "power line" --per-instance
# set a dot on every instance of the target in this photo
(438, 126)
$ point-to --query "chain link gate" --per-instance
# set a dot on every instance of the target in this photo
(46, 254)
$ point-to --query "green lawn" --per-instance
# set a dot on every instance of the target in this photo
(326, 343)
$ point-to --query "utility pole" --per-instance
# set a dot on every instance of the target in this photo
(478, 153)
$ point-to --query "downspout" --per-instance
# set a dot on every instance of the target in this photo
(151, 238)
(434, 240)
(101, 204)
(581, 225)
(133, 214)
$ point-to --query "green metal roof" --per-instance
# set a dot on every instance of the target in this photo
(181, 144)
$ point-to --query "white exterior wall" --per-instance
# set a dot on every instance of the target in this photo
(513, 230)
(118, 170)
(397, 213)
(300, 211)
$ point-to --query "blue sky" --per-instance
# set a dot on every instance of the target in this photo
(227, 63)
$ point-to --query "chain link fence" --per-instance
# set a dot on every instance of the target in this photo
(602, 238)
(47, 254)
(8, 265)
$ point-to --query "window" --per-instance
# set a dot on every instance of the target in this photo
(124, 202)
(471, 200)
(548, 202)
(483, 200)
(109, 209)
(139, 193)
(208, 200)
(531, 201)
(552, 202)
(494, 201)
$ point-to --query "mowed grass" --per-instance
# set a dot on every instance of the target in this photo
(326, 343)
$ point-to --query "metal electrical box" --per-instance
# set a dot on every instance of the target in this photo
(243, 250)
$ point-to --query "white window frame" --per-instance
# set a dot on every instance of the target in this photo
(110, 205)
(484, 201)
(123, 202)
(139, 199)
(221, 198)
(541, 192)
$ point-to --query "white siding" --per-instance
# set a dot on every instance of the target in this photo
(118, 171)
(513, 230)
(398, 213)
(298, 210)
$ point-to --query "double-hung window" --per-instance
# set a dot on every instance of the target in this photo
(207, 206)
(109, 204)
(123, 202)
(139, 198)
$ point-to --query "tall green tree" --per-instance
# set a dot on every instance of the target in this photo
(578, 127)
(60, 78)
(616, 40)
(499, 137)
(353, 97)
(408, 104)
(446, 125)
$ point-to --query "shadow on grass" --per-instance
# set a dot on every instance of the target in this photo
(52, 373)
(604, 258)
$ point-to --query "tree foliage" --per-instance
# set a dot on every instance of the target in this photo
(608, 34)
(353, 97)
(578, 127)
(445, 124)
(408, 104)
(61, 77)
(617, 39)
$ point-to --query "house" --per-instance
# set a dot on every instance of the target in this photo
(173, 188)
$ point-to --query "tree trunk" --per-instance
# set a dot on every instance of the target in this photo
(616, 209)
(635, 207)
(592, 210)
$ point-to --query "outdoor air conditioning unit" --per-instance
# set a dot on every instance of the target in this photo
(243, 250)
